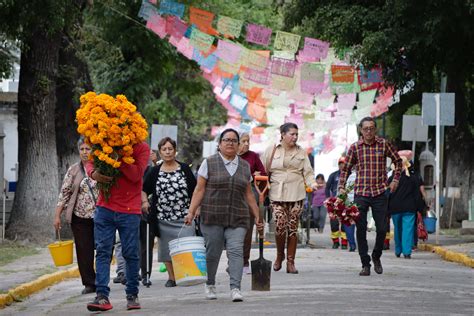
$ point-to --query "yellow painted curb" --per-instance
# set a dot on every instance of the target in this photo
(26, 289)
(449, 255)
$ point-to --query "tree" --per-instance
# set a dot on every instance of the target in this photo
(124, 57)
(417, 41)
(39, 36)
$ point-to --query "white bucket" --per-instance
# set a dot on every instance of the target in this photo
(188, 255)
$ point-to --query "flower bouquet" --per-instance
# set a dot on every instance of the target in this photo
(111, 126)
(341, 209)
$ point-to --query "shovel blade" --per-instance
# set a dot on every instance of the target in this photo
(261, 272)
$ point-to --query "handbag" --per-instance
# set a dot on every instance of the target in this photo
(89, 185)
(420, 228)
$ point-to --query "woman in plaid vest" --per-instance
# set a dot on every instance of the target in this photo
(224, 195)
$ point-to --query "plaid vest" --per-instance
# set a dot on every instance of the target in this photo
(224, 201)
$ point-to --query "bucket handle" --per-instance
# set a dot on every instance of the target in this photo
(59, 234)
(179, 233)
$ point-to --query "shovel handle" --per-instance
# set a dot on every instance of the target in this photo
(260, 247)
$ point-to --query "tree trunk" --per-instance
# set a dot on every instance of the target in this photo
(33, 208)
(458, 162)
(73, 81)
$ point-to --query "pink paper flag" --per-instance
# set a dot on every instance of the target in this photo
(157, 24)
(228, 51)
(258, 76)
(178, 28)
(303, 57)
(283, 67)
(258, 34)
(346, 101)
(185, 48)
(312, 78)
(315, 48)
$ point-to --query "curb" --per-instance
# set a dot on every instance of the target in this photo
(449, 255)
(26, 289)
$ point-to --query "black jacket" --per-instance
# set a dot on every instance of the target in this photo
(151, 177)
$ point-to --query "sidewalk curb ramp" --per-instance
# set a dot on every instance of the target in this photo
(26, 289)
(449, 255)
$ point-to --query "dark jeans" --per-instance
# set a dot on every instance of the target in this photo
(151, 237)
(83, 231)
(379, 206)
(105, 223)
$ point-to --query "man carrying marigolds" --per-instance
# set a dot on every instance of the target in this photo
(116, 133)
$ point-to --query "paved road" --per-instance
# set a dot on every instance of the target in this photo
(328, 283)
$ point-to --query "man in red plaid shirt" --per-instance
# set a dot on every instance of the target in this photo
(369, 155)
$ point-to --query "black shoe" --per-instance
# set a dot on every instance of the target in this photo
(344, 247)
(352, 249)
(407, 256)
(365, 271)
(120, 278)
(101, 303)
(170, 283)
(398, 255)
(132, 302)
(145, 282)
(88, 289)
(377, 265)
(335, 245)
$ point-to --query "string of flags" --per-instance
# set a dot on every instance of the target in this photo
(275, 77)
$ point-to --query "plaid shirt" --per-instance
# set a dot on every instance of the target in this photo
(370, 162)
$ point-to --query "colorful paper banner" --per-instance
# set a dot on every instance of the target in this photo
(200, 40)
(202, 19)
(258, 34)
(229, 27)
(172, 8)
(287, 41)
(283, 67)
(228, 51)
(315, 48)
(342, 74)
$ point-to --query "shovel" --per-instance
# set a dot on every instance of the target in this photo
(261, 268)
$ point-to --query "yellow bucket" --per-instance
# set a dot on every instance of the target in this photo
(61, 251)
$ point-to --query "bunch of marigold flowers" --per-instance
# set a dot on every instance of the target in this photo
(111, 126)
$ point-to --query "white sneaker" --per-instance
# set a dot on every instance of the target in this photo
(211, 293)
(246, 270)
(236, 296)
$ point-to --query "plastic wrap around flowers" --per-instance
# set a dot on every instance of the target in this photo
(341, 209)
(111, 126)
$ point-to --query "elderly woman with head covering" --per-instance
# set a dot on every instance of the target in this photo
(224, 194)
(256, 168)
(402, 206)
(78, 197)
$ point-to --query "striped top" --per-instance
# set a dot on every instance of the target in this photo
(370, 162)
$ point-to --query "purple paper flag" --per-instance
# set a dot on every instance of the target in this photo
(258, 34)
(316, 48)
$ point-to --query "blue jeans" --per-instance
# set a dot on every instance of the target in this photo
(105, 224)
(350, 231)
(404, 226)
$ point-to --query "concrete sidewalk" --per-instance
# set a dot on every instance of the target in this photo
(31, 274)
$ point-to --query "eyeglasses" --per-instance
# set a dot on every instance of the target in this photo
(368, 129)
(230, 140)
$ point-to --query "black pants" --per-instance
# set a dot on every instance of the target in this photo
(83, 231)
(379, 206)
(143, 238)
